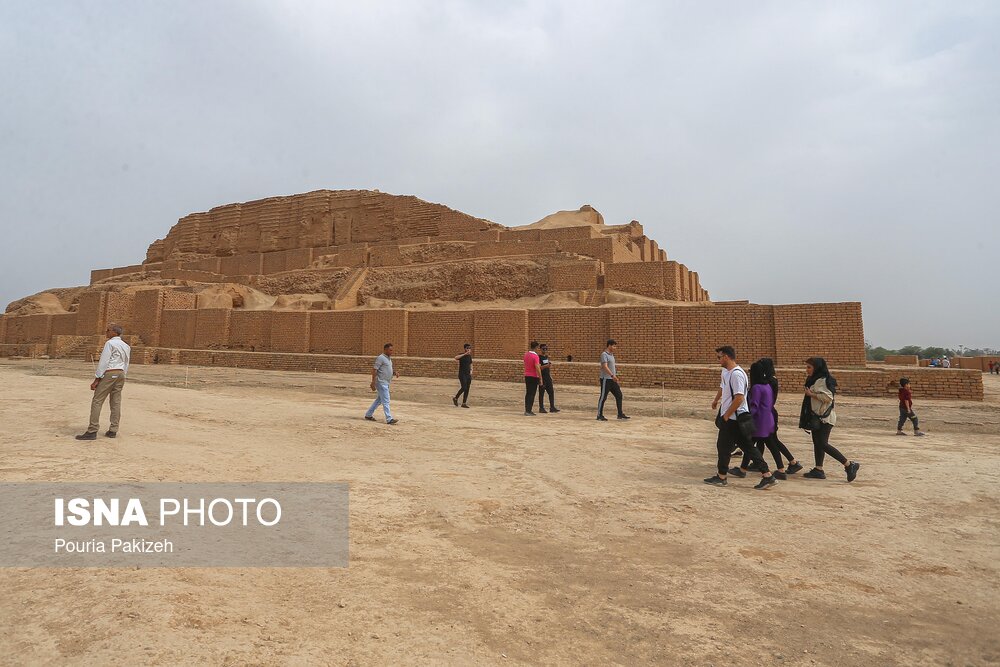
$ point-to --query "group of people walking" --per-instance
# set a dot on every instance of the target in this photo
(746, 416)
(747, 420)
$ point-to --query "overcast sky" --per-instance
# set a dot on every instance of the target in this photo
(788, 152)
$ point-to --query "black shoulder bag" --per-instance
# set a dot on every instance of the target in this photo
(743, 419)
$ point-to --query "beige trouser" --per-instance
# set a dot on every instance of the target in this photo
(111, 384)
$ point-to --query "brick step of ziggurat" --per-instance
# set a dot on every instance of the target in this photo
(870, 382)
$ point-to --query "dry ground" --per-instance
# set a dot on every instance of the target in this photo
(483, 537)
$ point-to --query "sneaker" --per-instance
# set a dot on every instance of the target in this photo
(765, 483)
(371, 419)
(465, 405)
(900, 433)
(455, 401)
(624, 417)
(753, 467)
(919, 434)
(602, 418)
(715, 480)
(543, 411)
(815, 473)
(793, 468)
(87, 436)
(111, 434)
(852, 471)
(529, 414)
(779, 475)
(392, 422)
(737, 472)
(554, 410)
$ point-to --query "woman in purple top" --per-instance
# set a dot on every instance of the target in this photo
(760, 400)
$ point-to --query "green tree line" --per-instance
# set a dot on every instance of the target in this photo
(879, 353)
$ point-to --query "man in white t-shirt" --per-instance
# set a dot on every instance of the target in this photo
(733, 390)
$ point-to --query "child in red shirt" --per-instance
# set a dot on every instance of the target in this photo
(906, 408)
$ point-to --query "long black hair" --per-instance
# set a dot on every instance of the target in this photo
(767, 364)
(757, 374)
(820, 370)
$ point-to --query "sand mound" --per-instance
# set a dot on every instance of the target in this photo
(50, 302)
(231, 295)
(586, 215)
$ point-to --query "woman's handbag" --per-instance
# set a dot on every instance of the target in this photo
(809, 420)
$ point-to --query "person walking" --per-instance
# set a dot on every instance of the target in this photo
(109, 380)
(464, 376)
(532, 377)
(382, 375)
(731, 403)
(906, 408)
(761, 400)
(818, 417)
(546, 385)
(609, 381)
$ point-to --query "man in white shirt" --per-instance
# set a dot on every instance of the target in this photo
(109, 380)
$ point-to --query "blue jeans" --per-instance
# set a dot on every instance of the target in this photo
(383, 397)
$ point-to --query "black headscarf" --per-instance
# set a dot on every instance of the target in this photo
(820, 370)
(757, 375)
(767, 365)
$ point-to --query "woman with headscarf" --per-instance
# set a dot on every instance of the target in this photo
(760, 399)
(773, 442)
(817, 417)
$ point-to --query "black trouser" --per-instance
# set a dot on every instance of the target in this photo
(775, 446)
(546, 387)
(465, 381)
(905, 414)
(609, 386)
(530, 387)
(730, 435)
(822, 446)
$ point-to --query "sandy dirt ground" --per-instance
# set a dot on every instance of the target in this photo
(484, 537)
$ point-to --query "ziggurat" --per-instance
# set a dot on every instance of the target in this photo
(319, 281)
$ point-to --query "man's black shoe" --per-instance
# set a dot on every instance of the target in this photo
(371, 419)
(87, 436)
(715, 480)
(602, 418)
(555, 410)
(780, 475)
(392, 422)
(624, 417)
(766, 483)
(736, 472)
(111, 434)
(852, 471)
(793, 468)
(465, 405)
(815, 473)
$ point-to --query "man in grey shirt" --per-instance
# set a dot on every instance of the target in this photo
(382, 375)
(609, 381)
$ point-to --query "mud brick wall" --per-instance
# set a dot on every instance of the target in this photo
(125, 270)
(63, 324)
(623, 250)
(501, 334)
(98, 275)
(22, 329)
(385, 256)
(379, 327)
(953, 384)
(644, 334)
(176, 299)
(644, 278)
(3, 328)
(211, 328)
(581, 332)
(90, 313)
(290, 331)
(672, 288)
(335, 332)
(599, 248)
(520, 235)
(901, 360)
(119, 310)
(177, 328)
(831, 329)
(285, 260)
(573, 275)
(439, 334)
(242, 265)
(250, 330)
(508, 248)
(698, 330)
(146, 315)
(562, 233)
(208, 264)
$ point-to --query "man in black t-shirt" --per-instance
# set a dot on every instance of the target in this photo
(547, 387)
(464, 376)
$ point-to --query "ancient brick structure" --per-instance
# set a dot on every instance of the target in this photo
(340, 273)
